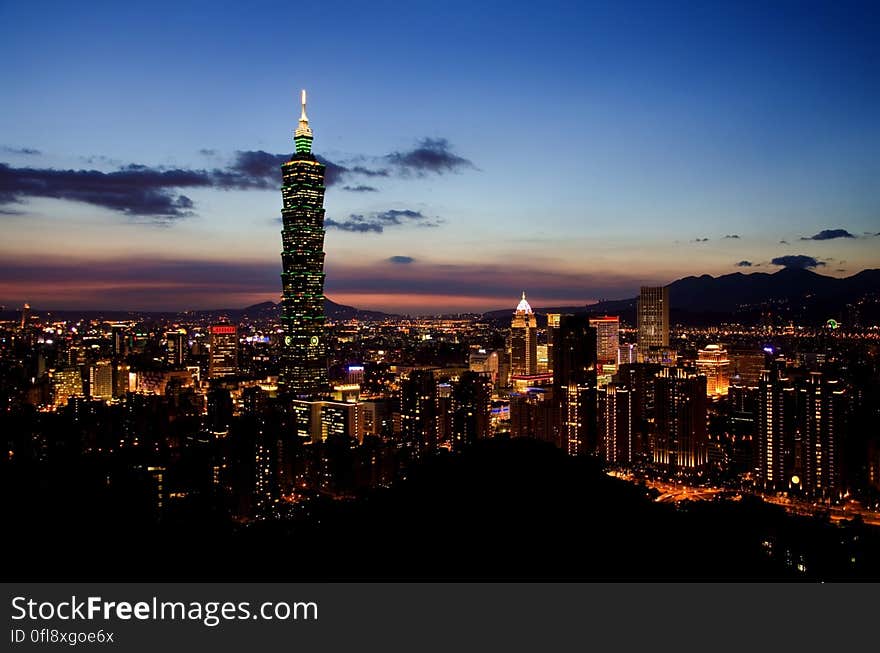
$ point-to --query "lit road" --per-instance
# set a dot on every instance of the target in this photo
(674, 492)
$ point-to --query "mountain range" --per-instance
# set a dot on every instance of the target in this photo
(790, 293)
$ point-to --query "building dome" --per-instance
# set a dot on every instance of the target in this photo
(523, 306)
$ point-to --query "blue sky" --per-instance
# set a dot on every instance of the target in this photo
(577, 150)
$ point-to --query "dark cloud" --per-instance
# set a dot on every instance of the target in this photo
(401, 259)
(736, 236)
(829, 234)
(133, 190)
(797, 261)
(143, 191)
(378, 222)
(368, 172)
(154, 192)
(252, 169)
(744, 264)
(430, 155)
(29, 151)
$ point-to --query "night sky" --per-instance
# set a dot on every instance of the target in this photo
(574, 150)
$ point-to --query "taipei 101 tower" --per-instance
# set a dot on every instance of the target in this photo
(304, 355)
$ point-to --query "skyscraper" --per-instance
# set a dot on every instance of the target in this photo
(714, 363)
(223, 360)
(776, 430)
(574, 384)
(607, 338)
(523, 340)
(617, 413)
(176, 347)
(418, 410)
(822, 416)
(304, 358)
(681, 414)
(653, 320)
(470, 409)
(101, 380)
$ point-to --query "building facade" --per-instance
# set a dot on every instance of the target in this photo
(653, 320)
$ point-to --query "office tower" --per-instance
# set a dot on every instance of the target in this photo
(714, 364)
(552, 328)
(653, 320)
(747, 365)
(66, 382)
(223, 360)
(822, 413)
(607, 338)
(176, 347)
(25, 315)
(101, 380)
(574, 384)
(470, 409)
(680, 407)
(523, 340)
(120, 341)
(776, 426)
(304, 358)
(617, 417)
(418, 410)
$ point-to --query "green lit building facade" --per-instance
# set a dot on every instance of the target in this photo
(304, 357)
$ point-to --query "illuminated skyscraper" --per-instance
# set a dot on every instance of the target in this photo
(176, 347)
(304, 358)
(574, 384)
(470, 409)
(823, 411)
(418, 410)
(66, 382)
(607, 338)
(224, 351)
(101, 380)
(523, 340)
(616, 408)
(715, 365)
(776, 430)
(681, 415)
(653, 320)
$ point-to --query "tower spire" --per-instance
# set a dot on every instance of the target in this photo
(303, 118)
(302, 137)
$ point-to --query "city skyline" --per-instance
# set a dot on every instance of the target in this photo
(150, 181)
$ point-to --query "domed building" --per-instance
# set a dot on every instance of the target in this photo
(523, 340)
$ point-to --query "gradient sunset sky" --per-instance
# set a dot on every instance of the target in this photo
(574, 150)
